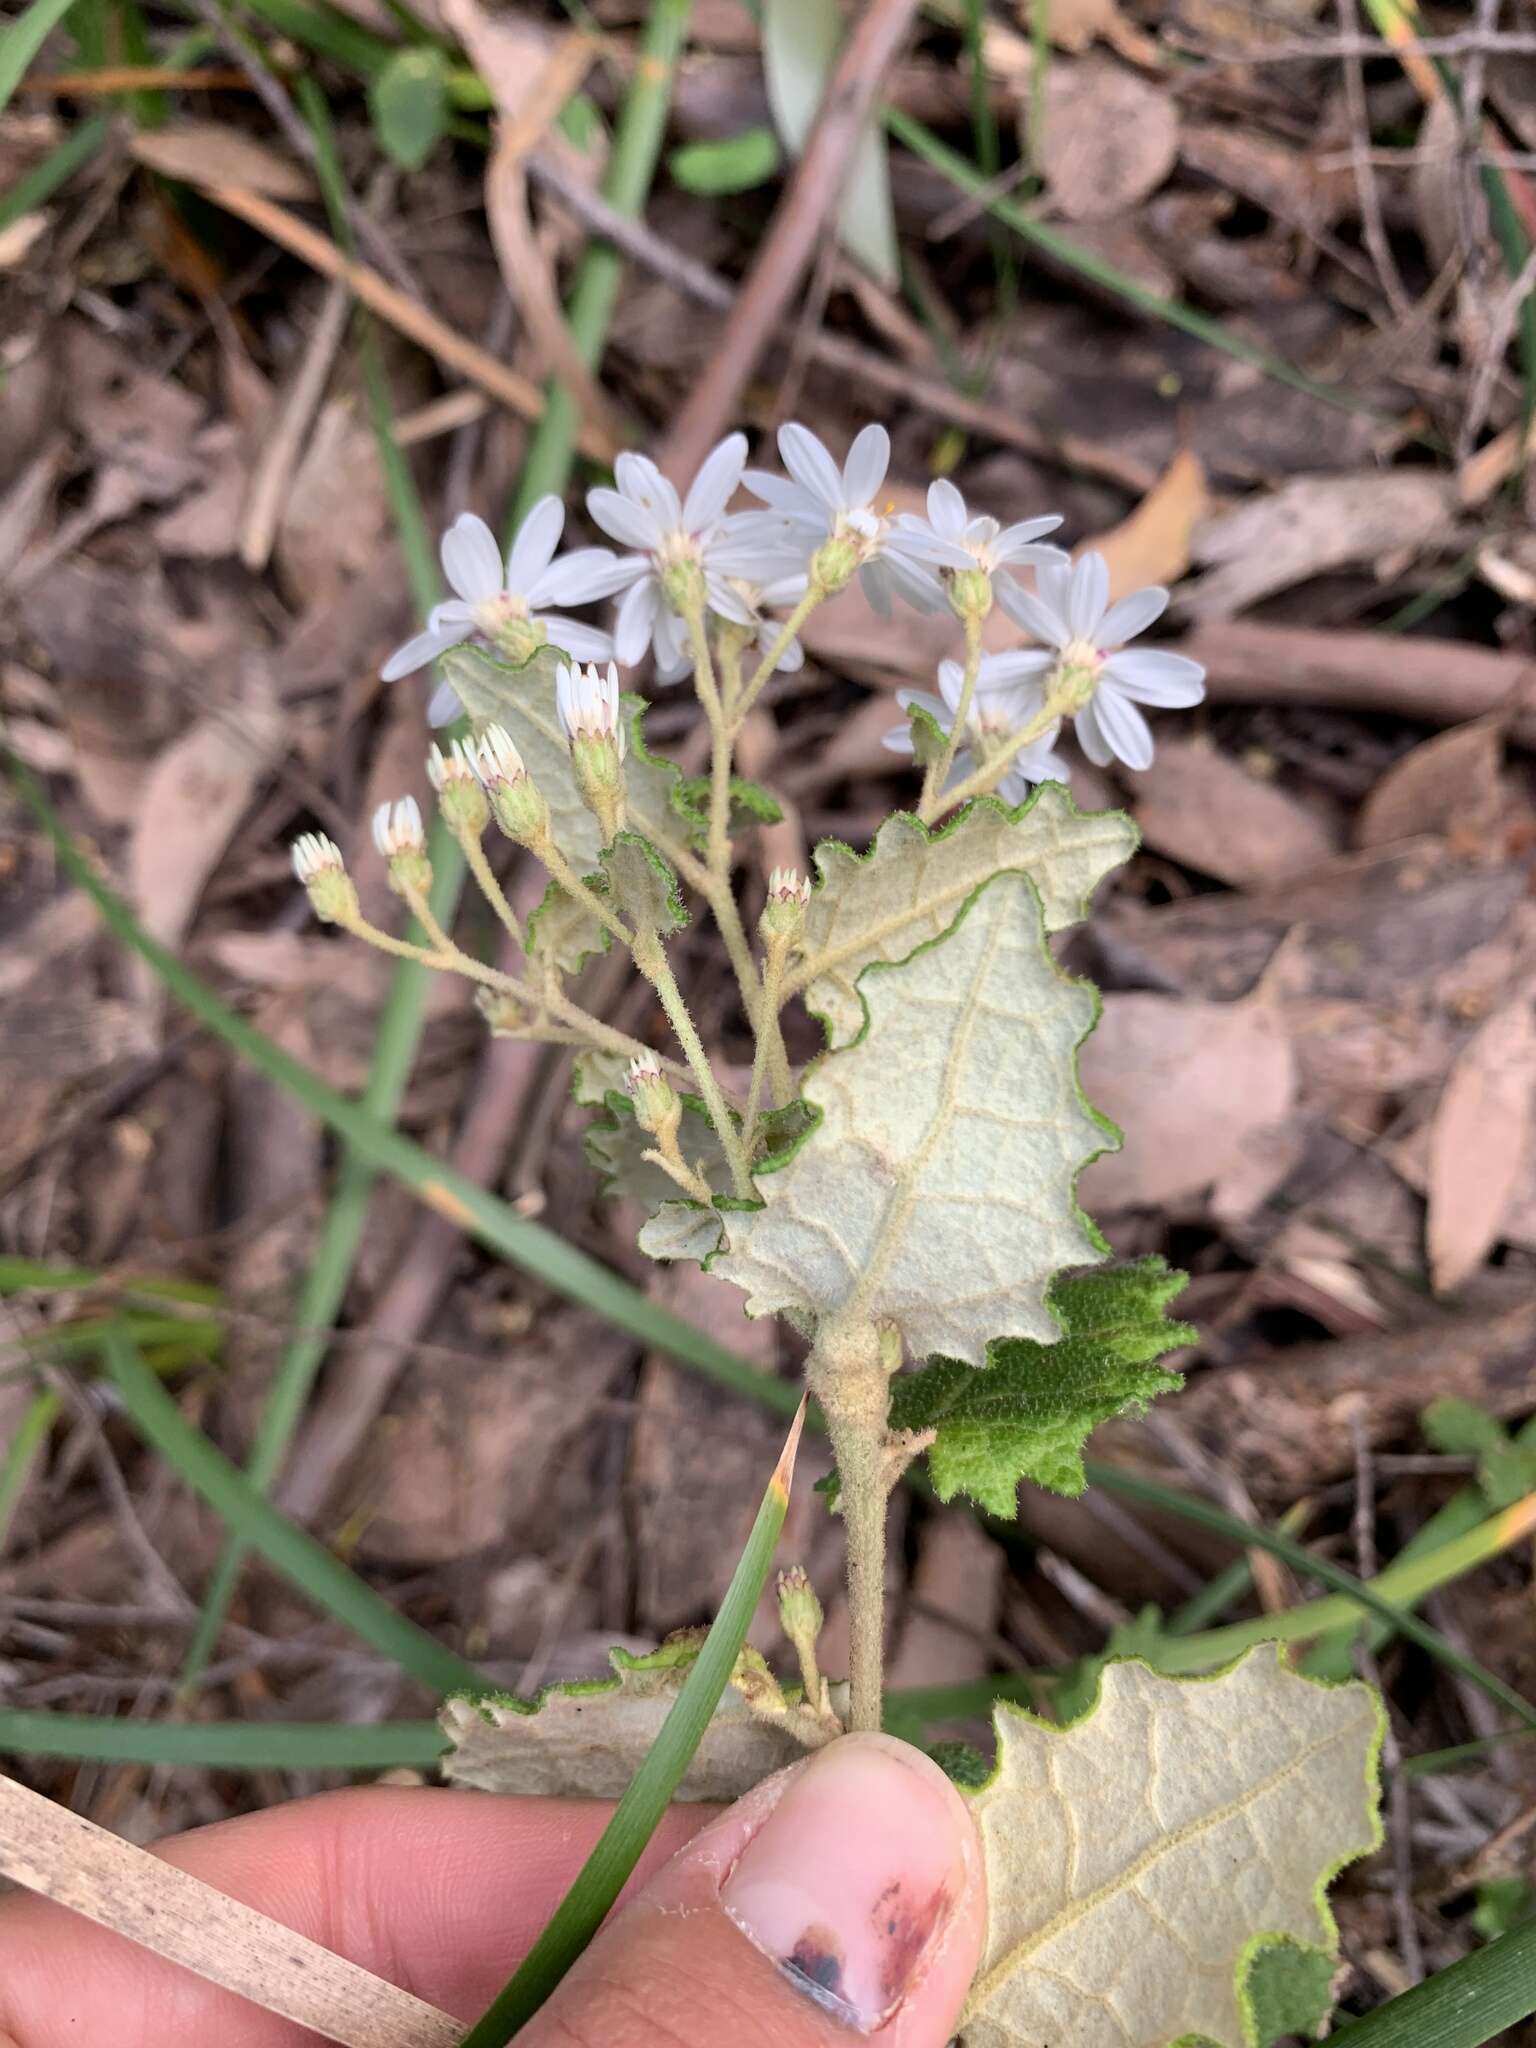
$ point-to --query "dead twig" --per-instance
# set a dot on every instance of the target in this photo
(877, 36)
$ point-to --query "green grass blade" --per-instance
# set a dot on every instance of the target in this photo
(306, 1563)
(966, 178)
(1460, 2007)
(38, 1418)
(222, 1746)
(87, 1338)
(21, 42)
(646, 1798)
(45, 1276)
(1433, 1761)
(57, 168)
(1379, 1599)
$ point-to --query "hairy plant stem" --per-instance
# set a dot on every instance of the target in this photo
(651, 959)
(938, 770)
(769, 1057)
(550, 857)
(849, 1377)
(480, 867)
(718, 849)
(747, 697)
(990, 773)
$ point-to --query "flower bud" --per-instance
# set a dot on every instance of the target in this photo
(783, 918)
(398, 834)
(518, 805)
(657, 1109)
(800, 1612)
(460, 798)
(319, 866)
(588, 703)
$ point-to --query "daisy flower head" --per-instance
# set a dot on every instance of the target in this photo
(505, 603)
(686, 550)
(588, 702)
(952, 537)
(1092, 673)
(319, 866)
(1006, 698)
(820, 507)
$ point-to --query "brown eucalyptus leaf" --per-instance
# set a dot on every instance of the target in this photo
(1479, 1138)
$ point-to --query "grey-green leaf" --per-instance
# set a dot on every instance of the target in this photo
(801, 39)
(409, 103)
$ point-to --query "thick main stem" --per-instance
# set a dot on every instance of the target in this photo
(849, 1378)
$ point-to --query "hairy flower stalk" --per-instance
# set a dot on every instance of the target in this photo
(867, 1160)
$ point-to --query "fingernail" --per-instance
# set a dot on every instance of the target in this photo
(853, 1880)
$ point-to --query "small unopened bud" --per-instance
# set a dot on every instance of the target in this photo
(460, 798)
(834, 562)
(399, 836)
(588, 703)
(319, 866)
(783, 918)
(970, 594)
(506, 1015)
(657, 1109)
(518, 805)
(799, 1609)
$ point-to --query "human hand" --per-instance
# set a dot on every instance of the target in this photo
(843, 1895)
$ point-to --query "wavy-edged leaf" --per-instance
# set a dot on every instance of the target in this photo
(586, 1741)
(563, 933)
(937, 1191)
(641, 887)
(1140, 1861)
(680, 1230)
(750, 805)
(596, 1074)
(523, 700)
(910, 886)
(617, 1146)
(1029, 1411)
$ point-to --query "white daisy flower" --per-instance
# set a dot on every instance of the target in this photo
(951, 537)
(1006, 698)
(588, 702)
(761, 600)
(819, 502)
(506, 602)
(672, 534)
(1092, 672)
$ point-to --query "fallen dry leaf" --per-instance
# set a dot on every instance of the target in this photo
(1203, 1092)
(1152, 544)
(195, 794)
(1479, 1138)
(1110, 137)
(18, 238)
(197, 150)
(1201, 807)
(1313, 524)
(338, 509)
(1451, 784)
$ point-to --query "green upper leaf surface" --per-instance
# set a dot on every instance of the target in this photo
(912, 883)
(937, 1191)
(1141, 1861)
(1028, 1413)
(641, 887)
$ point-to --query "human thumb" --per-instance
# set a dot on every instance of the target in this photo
(846, 1893)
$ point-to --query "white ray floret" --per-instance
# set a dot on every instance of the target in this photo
(1100, 680)
(312, 854)
(952, 537)
(397, 828)
(588, 703)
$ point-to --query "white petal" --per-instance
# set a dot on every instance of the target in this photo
(586, 575)
(637, 616)
(448, 616)
(1153, 676)
(671, 640)
(792, 660)
(875, 581)
(643, 483)
(1090, 738)
(790, 501)
(1132, 615)
(533, 550)
(918, 586)
(629, 523)
(864, 471)
(1123, 726)
(925, 700)
(712, 489)
(811, 466)
(1053, 586)
(898, 739)
(1035, 614)
(1016, 664)
(416, 653)
(1020, 535)
(669, 672)
(920, 544)
(946, 509)
(581, 642)
(726, 602)
(444, 706)
(471, 559)
(1090, 594)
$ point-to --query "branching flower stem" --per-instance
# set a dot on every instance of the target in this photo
(551, 858)
(986, 778)
(651, 959)
(938, 770)
(758, 681)
(473, 849)
(849, 1377)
